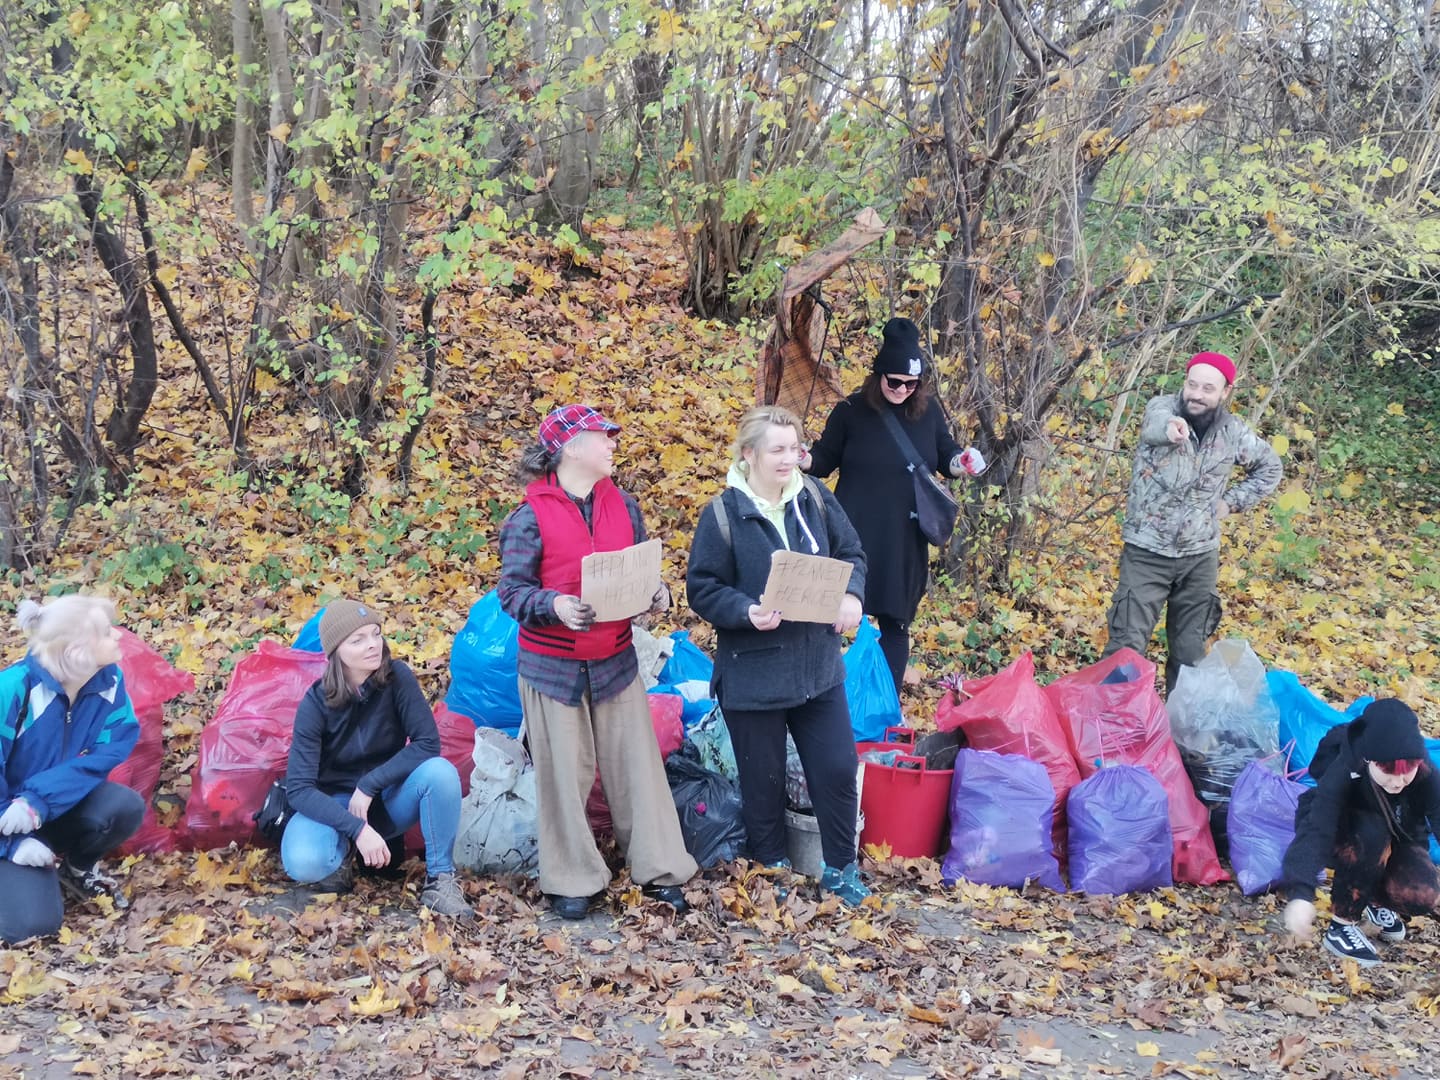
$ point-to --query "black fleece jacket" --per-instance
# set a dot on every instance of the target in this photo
(1343, 791)
(371, 744)
(787, 666)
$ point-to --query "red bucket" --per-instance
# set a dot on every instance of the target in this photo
(906, 808)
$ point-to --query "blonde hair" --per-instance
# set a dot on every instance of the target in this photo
(755, 423)
(63, 632)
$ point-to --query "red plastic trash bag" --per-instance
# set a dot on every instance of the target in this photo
(1113, 715)
(1119, 833)
(150, 681)
(1008, 712)
(1000, 822)
(243, 749)
(666, 712)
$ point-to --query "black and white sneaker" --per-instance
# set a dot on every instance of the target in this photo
(1348, 941)
(89, 882)
(1390, 925)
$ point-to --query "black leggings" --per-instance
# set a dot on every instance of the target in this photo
(30, 900)
(826, 744)
(1370, 868)
(895, 644)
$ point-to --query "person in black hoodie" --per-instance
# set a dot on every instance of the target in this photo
(876, 487)
(772, 675)
(1375, 803)
(365, 765)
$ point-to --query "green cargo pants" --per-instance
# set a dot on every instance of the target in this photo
(1186, 587)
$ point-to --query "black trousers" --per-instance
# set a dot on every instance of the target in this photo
(895, 644)
(826, 744)
(1370, 868)
(30, 900)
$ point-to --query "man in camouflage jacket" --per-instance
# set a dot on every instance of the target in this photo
(1180, 490)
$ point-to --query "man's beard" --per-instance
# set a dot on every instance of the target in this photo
(1198, 415)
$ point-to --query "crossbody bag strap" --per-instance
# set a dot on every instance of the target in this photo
(907, 448)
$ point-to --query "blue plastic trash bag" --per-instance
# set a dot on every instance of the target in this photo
(1433, 745)
(688, 673)
(1304, 716)
(1262, 823)
(869, 689)
(483, 679)
(308, 640)
(1120, 839)
(1002, 808)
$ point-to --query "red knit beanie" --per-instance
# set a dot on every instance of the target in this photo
(1219, 361)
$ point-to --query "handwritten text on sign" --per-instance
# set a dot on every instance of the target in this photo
(621, 584)
(805, 588)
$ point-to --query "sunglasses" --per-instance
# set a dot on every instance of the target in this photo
(900, 384)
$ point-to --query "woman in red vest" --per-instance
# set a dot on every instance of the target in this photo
(580, 687)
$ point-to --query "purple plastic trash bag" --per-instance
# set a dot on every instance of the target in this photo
(1262, 824)
(1002, 807)
(1120, 840)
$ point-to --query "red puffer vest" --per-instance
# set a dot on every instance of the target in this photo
(564, 541)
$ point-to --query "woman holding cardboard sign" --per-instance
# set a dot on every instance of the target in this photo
(580, 686)
(772, 673)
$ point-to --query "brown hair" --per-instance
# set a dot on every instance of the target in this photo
(914, 407)
(336, 689)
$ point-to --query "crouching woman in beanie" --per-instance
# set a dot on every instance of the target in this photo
(580, 687)
(770, 675)
(365, 765)
(1375, 803)
(65, 722)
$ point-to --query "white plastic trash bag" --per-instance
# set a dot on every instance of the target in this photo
(498, 819)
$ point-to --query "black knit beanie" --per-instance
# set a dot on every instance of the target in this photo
(1388, 730)
(900, 351)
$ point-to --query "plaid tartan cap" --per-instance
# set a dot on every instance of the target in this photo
(564, 423)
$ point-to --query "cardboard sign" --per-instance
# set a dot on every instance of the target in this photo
(805, 588)
(621, 584)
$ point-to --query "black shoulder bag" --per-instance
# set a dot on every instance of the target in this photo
(274, 813)
(935, 508)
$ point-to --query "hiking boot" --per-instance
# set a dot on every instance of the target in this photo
(844, 883)
(86, 883)
(667, 894)
(442, 895)
(1347, 941)
(1390, 925)
(339, 881)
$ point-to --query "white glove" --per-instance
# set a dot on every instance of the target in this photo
(1299, 918)
(19, 817)
(32, 852)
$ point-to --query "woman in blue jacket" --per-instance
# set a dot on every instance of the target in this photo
(365, 765)
(65, 722)
(770, 675)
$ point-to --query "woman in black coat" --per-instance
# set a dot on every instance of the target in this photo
(773, 675)
(876, 487)
(1370, 815)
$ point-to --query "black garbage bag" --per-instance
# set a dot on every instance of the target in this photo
(709, 808)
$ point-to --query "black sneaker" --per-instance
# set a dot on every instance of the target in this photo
(1390, 925)
(1348, 941)
(82, 884)
(667, 894)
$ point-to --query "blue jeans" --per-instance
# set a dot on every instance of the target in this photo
(430, 795)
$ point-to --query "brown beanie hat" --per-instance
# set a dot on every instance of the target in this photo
(341, 619)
